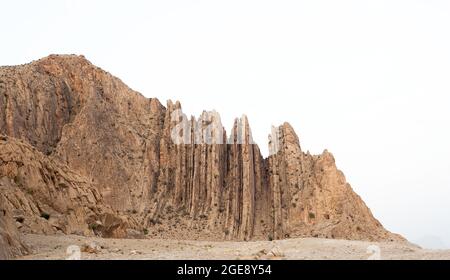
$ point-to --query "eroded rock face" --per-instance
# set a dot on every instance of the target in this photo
(45, 196)
(100, 144)
(312, 198)
(10, 244)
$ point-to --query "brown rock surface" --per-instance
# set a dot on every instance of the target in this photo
(117, 147)
(312, 198)
(45, 196)
(10, 243)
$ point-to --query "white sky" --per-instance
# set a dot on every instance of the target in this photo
(368, 80)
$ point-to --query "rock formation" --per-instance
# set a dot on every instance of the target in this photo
(81, 144)
(312, 198)
(45, 196)
(10, 243)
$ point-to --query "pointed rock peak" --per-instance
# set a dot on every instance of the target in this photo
(283, 137)
(244, 119)
(174, 113)
(327, 156)
(241, 132)
(211, 117)
(289, 135)
(209, 129)
(206, 129)
(274, 140)
(287, 125)
(242, 122)
(288, 130)
(173, 106)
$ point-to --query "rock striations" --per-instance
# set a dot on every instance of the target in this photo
(83, 153)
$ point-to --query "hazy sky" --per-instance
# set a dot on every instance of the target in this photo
(367, 80)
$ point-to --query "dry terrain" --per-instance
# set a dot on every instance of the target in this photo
(55, 247)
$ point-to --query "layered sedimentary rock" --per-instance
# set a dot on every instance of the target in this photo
(212, 178)
(311, 196)
(172, 175)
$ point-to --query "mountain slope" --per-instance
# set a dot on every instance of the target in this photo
(46, 196)
(209, 186)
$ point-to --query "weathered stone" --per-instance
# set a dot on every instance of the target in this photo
(107, 160)
(312, 198)
(10, 244)
(91, 248)
(45, 196)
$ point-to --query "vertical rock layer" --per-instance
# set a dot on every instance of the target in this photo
(158, 169)
(312, 198)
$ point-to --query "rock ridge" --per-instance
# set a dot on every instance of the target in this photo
(158, 171)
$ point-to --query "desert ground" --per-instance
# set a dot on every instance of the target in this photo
(60, 247)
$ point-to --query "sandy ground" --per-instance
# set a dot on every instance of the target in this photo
(58, 247)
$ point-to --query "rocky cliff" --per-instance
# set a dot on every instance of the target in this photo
(46, 196)
(10, 242)
(67, 120)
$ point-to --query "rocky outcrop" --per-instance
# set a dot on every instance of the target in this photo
(45, 196)
(69, 109)
(207, 183)
(132, 163)
(10, 244)
(312, 198)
